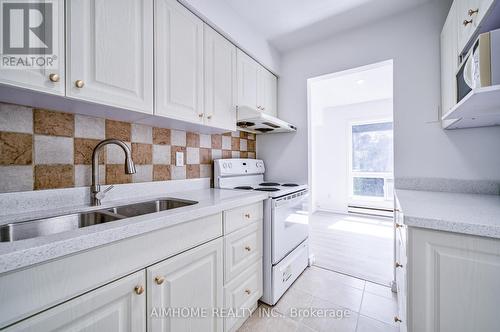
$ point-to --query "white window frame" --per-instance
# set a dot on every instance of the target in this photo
(367, 201)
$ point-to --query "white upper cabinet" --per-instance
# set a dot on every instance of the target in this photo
(220, 81)
(449, 61)
(257, 87)
(248, 81)
(189, 280)
(178, 62)
(110, 52)
(48, 79)
(469, 15)
(269, 97)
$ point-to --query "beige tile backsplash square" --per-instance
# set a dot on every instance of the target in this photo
(52, 123)
(16, 148)
(45, 149)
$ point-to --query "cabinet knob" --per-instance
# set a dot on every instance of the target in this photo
(398, 225)
(159, 280)
(467, 22)
(200, 115)
(248, 291)
(79, 84)
(139, 290)
(247, 215)
(247, 248)
(397, 320)
(473, 11)
(209, 117)
(398, 265)
(54, 77)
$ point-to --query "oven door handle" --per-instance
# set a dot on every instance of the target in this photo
(291, 202)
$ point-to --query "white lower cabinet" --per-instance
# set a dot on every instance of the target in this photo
(180, 283)
(186, 284)
(243, 279)
(117, 307)
(446, 281)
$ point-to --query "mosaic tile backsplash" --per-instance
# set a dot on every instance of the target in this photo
(43, 149)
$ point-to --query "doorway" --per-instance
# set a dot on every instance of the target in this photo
(350, 116)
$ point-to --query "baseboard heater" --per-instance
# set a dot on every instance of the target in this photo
(370, 211)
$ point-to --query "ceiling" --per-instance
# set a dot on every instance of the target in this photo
(288, 24)
(353, 87)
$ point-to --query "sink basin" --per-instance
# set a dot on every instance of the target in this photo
(138, 209)
(41, 227)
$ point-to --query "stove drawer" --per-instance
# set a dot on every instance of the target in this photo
(242, 248)
(242, 216)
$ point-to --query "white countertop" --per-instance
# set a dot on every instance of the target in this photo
(20, 254)
(473, 214)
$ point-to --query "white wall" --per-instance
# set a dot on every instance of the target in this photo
(225, 20)
(331, 150)
(422, 148)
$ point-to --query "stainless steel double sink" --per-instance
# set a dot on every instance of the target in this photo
(42, 227)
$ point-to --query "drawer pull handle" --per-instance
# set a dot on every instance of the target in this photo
(139, 290)
(247, 248)
(398, 265)
(248, 291)
(54, 77)
(247, 215)
(159, 280)
(397, 320)
(473, 11)
(79, 84)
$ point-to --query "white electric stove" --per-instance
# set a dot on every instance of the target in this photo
(286, 222)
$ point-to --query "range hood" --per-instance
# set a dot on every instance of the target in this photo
(253, 121)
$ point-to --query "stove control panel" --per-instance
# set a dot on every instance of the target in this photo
(239, 166)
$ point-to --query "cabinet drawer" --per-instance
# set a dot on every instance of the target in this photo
(241, 249)
(240, 217)
(243, 293)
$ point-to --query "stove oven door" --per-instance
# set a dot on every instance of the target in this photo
(290, 223)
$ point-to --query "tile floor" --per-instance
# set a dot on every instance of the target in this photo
(355, 245)
(365, 306)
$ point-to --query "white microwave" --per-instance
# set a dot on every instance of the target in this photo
(481, 65)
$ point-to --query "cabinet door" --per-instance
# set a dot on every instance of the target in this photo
(110, 52)
(193, 281)
(220, 80)
(270, 93)
(449, 61)
(117, 307)
(455, 278)
(248, 75)
(49, 78)
(178, 62)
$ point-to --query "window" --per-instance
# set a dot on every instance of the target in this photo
(371, 176)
